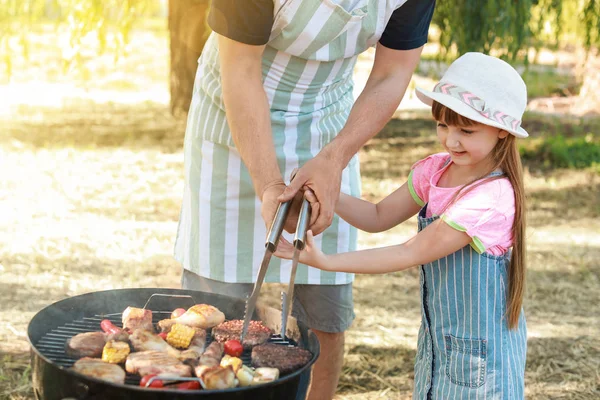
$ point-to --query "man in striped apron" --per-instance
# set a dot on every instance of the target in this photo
(273, 92)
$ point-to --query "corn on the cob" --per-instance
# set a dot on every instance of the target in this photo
(115, 352)
(180, 336)
(235, 362)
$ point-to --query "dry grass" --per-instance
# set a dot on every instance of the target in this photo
(90, 192)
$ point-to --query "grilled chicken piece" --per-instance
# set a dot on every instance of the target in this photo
(98, 369)
(143, 340)
(137, 318)
(165, 325)
(196, 348)
(156, 362)
(89, 344)
(219, 378)
(201, 316)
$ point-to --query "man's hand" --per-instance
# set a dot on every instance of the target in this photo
(323, 176)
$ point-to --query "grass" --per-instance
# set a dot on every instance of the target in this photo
(90, 192)
(92, 199)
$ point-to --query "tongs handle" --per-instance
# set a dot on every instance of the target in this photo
(277, 225)
(302, 227)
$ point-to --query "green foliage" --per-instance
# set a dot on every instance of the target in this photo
(109, 21)
(509, 27)
(475, 25)
(561, 152)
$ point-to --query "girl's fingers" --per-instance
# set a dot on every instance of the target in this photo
(310, 239)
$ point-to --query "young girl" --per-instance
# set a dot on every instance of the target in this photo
(470, 247)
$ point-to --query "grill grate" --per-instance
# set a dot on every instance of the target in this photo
(52, 344)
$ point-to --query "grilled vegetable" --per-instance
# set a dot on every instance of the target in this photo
(234, 348)
(264, 375)
(235, 362)
(115, 352)
(157, 383)
(245, 375)
(189, 385)
(180, 336)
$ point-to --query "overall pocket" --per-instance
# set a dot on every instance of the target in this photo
(465, 361)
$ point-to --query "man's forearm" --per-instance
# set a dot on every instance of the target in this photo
(249, 120)
(376, 104)
(248, 112)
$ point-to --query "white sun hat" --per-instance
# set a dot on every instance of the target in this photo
(484, 89)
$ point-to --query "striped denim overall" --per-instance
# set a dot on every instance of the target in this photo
(307, 70)
(465, 349)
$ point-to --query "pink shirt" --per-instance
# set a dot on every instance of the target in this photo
(485, 213)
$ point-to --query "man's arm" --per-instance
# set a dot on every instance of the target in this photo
(247, 111)
(387, 83)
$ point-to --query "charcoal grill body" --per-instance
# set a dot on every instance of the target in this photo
(53, 380)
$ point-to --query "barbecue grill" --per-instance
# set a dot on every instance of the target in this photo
(50, 328)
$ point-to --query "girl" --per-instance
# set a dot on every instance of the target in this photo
(470, 248)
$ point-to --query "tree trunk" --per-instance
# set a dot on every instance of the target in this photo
(188, 32)
(588, 101)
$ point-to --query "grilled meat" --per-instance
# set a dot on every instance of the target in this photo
(137, 318)
(156, 362)
(285, 358)
(165, 325)
(196, 348)
(143, 340)
(257, 332)
(89, 344)
(201, 316)
(219, 378)
(98, 369)
(210, 358)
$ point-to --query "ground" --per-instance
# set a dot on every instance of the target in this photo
(90, 192)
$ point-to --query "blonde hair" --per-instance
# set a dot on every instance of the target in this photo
(505, 156)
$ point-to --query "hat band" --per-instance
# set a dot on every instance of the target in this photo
(478, 105)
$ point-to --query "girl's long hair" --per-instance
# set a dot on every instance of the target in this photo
(505, 157)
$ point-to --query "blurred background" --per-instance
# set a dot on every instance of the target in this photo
(93, 100)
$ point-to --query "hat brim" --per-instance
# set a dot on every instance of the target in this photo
(465, 110)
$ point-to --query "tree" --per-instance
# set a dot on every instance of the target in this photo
(188, 32)
(506, 27)
(509, 28)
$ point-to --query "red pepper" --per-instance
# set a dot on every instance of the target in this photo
(157, 383)
(163, 335)
(189, 385)
(108, 327)
(233, 347)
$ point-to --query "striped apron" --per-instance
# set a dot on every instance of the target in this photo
(307, 70)
(465, 349)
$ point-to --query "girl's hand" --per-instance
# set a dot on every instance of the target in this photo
(311, 255)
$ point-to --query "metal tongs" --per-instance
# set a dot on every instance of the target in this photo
(270, 246)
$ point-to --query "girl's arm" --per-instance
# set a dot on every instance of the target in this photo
(391, 211)
(432, 243)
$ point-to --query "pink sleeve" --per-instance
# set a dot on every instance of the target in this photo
(419, 179)
(486, 214)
